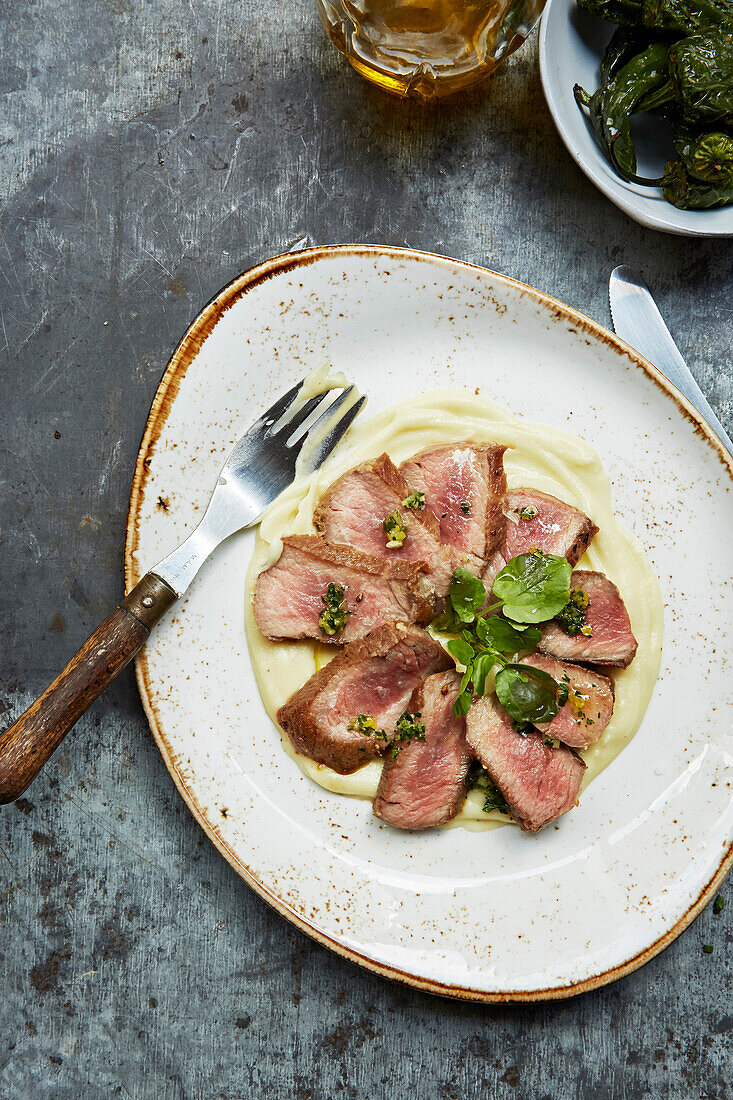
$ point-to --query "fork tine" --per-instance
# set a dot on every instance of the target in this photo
(288, 425)
(329, 411)
(299, 424)
(337, 432)
(273, 414)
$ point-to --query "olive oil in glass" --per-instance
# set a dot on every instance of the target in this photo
(427, 48)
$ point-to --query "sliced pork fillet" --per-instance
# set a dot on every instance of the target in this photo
(356, 506)
(611, 641)
(425, 783)
(375, 677)
(289, 596)
(538, 783)
(587, 712)
(536, 520)
(464, 485)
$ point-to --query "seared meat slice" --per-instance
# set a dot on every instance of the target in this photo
(548, 524)
(288, 598)
(539, 783)
(374, 676)
(464, 484)
(425, 783)
(355, 507)
(584, 717)
(611, 641)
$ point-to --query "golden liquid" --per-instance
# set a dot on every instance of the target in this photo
(427, 48)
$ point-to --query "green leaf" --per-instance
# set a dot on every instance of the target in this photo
(479, 779)
(448, 622)
(533, 587)
(467, 595)
(462, 650)
(482, 666)
(462, 704)
(506, 638)
(494, 800)
(526, 693)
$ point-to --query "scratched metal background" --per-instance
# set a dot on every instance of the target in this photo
(149, 151)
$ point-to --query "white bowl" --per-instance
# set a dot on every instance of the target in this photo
(571, 47)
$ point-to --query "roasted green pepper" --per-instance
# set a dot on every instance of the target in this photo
(611, 107)
(626, 13)
(702, 72)
(700, 80)
(690, 194)
(706, 154)
(674, 16)
(688, 80)
(688, 16)
(625, 43)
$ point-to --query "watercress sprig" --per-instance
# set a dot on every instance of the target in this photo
(527, 694)
(531, 588)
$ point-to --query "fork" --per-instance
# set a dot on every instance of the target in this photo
(294, 436)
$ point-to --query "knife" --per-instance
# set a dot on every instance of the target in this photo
(637, 320)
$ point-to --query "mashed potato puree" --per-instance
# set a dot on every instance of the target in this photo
(540, 456)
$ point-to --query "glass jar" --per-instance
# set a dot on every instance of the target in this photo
(427, 48)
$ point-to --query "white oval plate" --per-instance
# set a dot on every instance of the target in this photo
(571, 47)
(487, 916)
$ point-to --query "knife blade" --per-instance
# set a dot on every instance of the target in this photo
(637, 320)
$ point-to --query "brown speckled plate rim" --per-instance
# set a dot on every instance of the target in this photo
(165, 395)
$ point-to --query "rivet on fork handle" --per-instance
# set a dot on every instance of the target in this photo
(33, 738)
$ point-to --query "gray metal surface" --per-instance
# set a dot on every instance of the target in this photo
(149, 151)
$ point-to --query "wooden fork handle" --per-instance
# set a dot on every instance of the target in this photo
(33, 738)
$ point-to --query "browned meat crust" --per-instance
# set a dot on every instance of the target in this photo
(495, 518)
(409, 647)
(581, 544)
(339, 553)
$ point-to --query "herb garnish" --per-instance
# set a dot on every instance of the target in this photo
(528, 512)
(367, 724)
(572, 617)
(527, 694)
(719, 905)
(479, 780)
(465, 507)
(707, 948)
(395, 530)
(335, 612)
(415, 502)
(576, 701)
(531, 588)
(408, 728)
